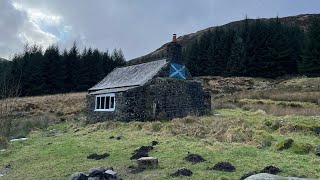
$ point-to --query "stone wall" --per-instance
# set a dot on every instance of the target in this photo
(162, 98)
(178, 98)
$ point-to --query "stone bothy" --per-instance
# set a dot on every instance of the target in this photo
(161, 89)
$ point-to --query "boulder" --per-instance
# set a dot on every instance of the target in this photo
(78, 176)
(266, 176)
(148, 162)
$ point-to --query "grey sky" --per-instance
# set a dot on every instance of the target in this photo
(135, 26)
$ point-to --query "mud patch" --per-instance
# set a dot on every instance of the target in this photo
(223, 166)
(270, 170)
(154, 143)
(98, 156)
(182, 172)
(194, 158)
(141, 152)
(135, 170)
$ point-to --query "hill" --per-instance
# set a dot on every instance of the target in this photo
(2, 59)
(303, 21)
(251, 120)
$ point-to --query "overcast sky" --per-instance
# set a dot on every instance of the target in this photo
(136, 26)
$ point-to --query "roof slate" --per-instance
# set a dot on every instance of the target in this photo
(135, 75)
(113, 90)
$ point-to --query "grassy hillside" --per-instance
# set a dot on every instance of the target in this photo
(249, 122)
(302, 21)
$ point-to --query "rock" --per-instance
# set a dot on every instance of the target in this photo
(111, 172)
(97, 156)
(20, 139)
(286, 144)
(317, 150)
(248, 174)
(100, 169)
(194, 158)
(148, 162)
(266, 176)
(78, 176)
(95, 178)
(182, 172)
(223, 166)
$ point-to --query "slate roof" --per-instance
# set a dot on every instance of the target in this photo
(130, 76)
(113, 90)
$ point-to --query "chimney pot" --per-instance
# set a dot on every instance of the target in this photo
(174, 38)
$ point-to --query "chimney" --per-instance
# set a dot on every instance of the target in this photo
(174, 38)
(174, 51)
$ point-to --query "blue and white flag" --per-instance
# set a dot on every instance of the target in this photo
(177, 71)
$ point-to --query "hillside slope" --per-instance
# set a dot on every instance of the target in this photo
(250, 121)
(302, 21)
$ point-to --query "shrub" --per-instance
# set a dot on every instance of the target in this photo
(153, 126)
(263, 139)
(285, 144)
(301, 148)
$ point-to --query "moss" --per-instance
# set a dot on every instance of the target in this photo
(285, 144)
(263, 138)
(301, 148)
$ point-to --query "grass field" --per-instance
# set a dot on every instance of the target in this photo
(243, 129)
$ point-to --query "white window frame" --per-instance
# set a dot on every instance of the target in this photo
(110, 95)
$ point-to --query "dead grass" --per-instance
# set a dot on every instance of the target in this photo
(38, 112)
(58, 105)
(276, 95)
(282, 110)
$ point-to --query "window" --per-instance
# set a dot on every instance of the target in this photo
(105, 102)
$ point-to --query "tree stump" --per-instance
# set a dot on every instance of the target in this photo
(148, 162)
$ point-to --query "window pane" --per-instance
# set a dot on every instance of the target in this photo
(108, 102)
(112, 102)
(98, 103)
(103, 101)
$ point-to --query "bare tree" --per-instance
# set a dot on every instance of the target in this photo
(9, 91)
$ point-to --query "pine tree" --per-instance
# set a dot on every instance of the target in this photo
(310, 64)
(72, 64)
(53, 71)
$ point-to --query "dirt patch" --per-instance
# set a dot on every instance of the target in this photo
(182, 172)
(194, 158)
(270, 170)
(141, 152)
(98, 156)
(154, 143)
(135, 170)
(223, 166)
(267, 169)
